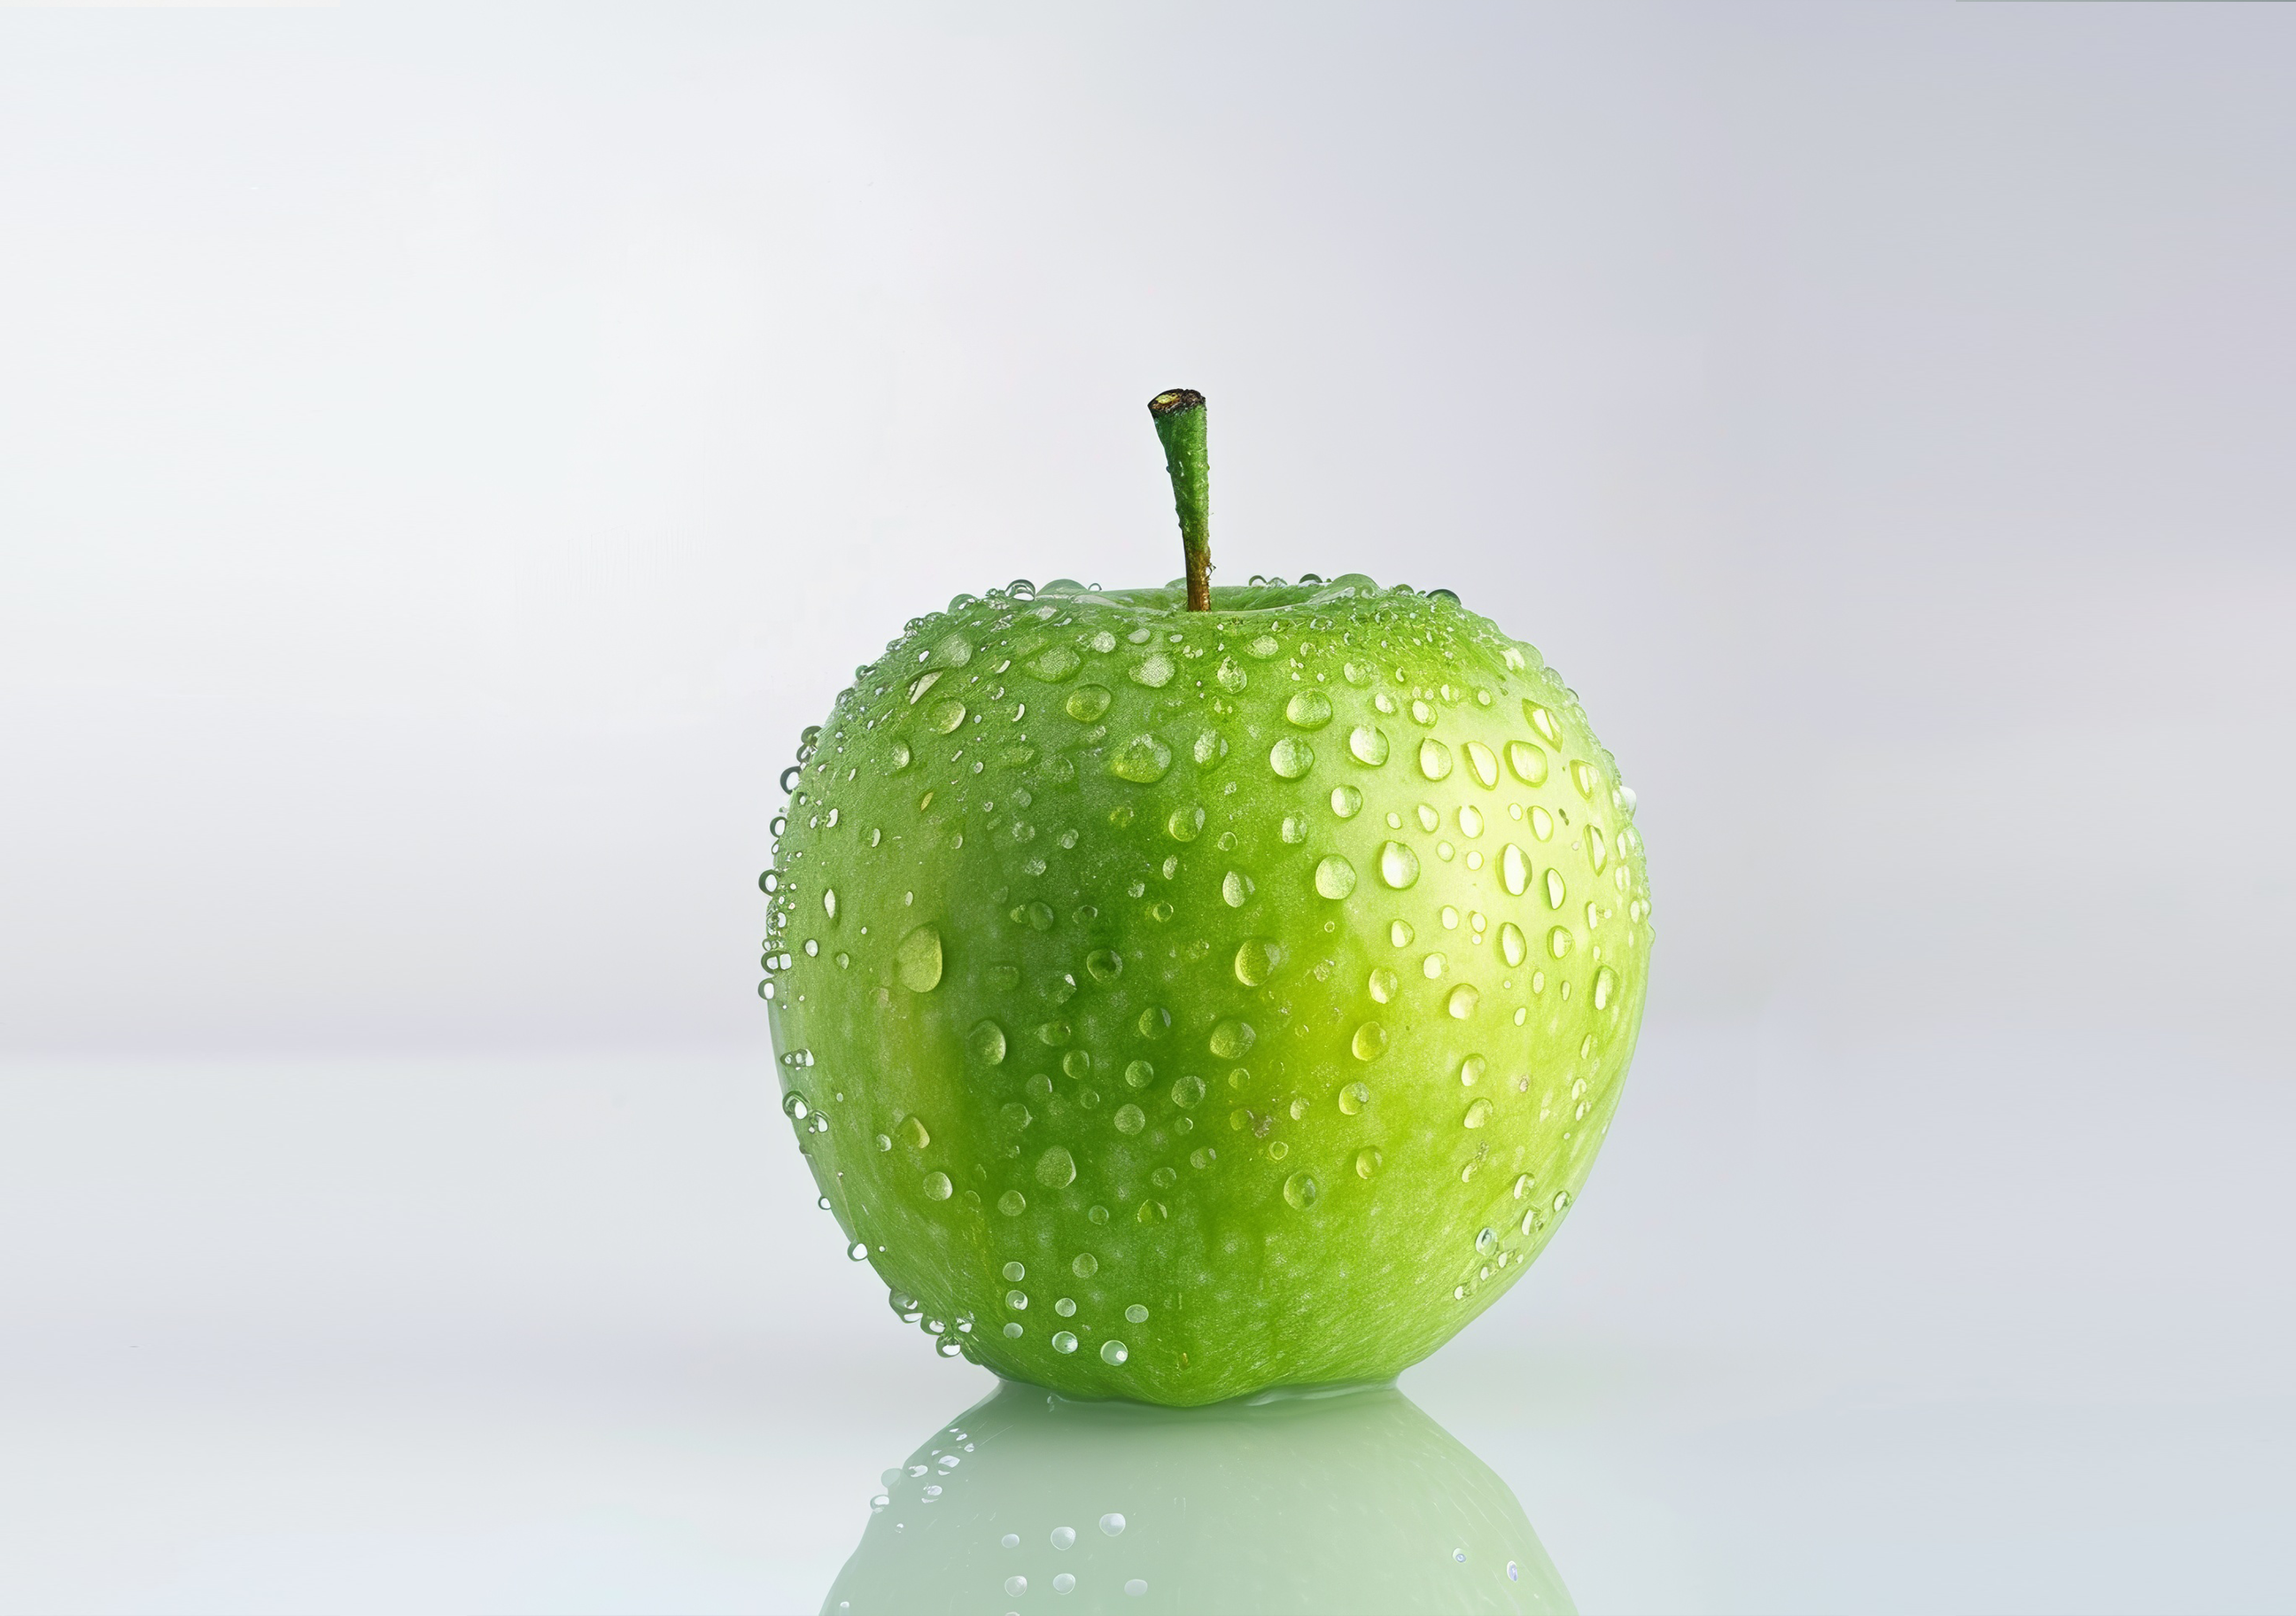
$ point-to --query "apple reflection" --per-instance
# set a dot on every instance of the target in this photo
(1332, 1502)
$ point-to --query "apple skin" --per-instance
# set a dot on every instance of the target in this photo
(1256, 985)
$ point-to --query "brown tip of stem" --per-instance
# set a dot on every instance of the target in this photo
(1173, 402)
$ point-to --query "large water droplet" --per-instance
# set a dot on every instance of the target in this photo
(1230, 674)
(1514, 869)
(1597, 853)
(1235, 888)
(1382, 984)
(1308, 708)
(1143, 759)
(945, 715)
(1470, 822)
(1335, 877)
(1184, 824)
(1062, 1341)
(1478, 1113)
(1487, 1241)
(1583, 776)
(1558, 941)
(1370, 1041)
(914, 1133)
(1113, 1352)
(1112, 1523)
(1399, 932)
(1434, 758)
(1399, 865)
(1138, 1074)
(1187, 1092)
(1353, 1098)
(1527, 762)
(1301, 1191)
(1016, 1586)
(1472, 1070)
(937, 1186)
(1231, 1038)
(1257, 959)
(1347, 801)
(1154, 670)
(1056, 1168)
(1543, 721)
(1367, 1161)
(986, 1042)
(1606, 983)
(1087, 702)
(1055, 663)
(1016, 1271)
(1484, 762)
(1130, 1118)
(897, 757)
(1367, 745)
(917, 961)
(1463, 1001)
(1012, 1203)
(1511, 947)
(1555, 891)
(1290, 757)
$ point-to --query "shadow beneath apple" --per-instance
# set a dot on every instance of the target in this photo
(1334, 1502)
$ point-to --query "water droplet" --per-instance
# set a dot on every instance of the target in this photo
(1062, 1341)
(1301, 1191)
(1367, 745)
(829, 901)
(859, 1250)
(1543, 721)
(1055, 663)
(1583, 776)
(1112, 1523)
(1597, 853)
(1138, 1074)
(1308, 708)
(938, 1187)
(1353, 1098)
(1153, 670)
(945, 715)
(1113, 1352)
(1515, 1571)
(1011, 1540)
(1383, 985)
(1143, 759)
(1434, 758)
(1335, 877)
(1154, 1023)
(1514, 869)
(1230, 676)
(1562, 1200)
(1136, 1586)
(1015, 1271)
(1399, 865)
(1290, 757)
(1257, 959)
(1012, 1203)
(1478, 1113)
(1187, 1091)
(1558, 941)
(1527, 762)
(1484, 762)
(1427, 816)
(1018, 1300)
(1105, 964)
(1016, 1586)
(1370, 1041)
(897, 757)
(1087, 702)
(1013, 1332)
(1184, 824)
(1399, 932)
(1472, 1069)
(1056, 1168)
(1606, 983)
(1463, 1001)
(1470, 820)
(1130, 1118)
(1510, 943)
(986, 1042)
(1235, 888)
(917, 961)
(1555, 891)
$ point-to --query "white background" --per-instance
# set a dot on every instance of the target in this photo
(446, 455)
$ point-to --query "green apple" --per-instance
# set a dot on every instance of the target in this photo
(1314, 1504)
(1173, 1002)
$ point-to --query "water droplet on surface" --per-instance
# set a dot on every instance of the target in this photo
(1016, 1586)
(1335, 877)
(1433, 966)
(1472, 1070)
(1088, 703)
(897, 757)
(1308, 708)
(1367, 1161)
(1144, 760)
(1085, 1266)
(1484, 763)
(1257, 959)
(1383, 985)
(1527, 762)
(944, 716)
(1136, 1586)
(1018, 1300)
(1153, 670)
(1012, 1203)
(1597, 853)
(1370, 1041)
(986, 1042)
(1184, 824)
(1399, 932)
(1434, 758)
(1112, 1522)
(1114, 1352)
(1558, 941)
(1064, 1537)
(1010, 1540)
(1463, 1001)
(917, 961)
(1230, 676)
(1056, 1168)
(1290, 757)
(1487, 1239)
(1478, 1113)
(1138, 1074)
(1367, 745)
(1514, 869)
(1235, 888)
(1062, 1341)
(1013, 1332)
(1301, 1191)
(1427, 816)
(1154, 1023)
(1015, 1271)
(1511, 947)
(1130, 1118)
(1187, 1092)
(938, 1187)
(1555, 891)
(859, 1250)
(1522, 1187)
(1105, 964)
(1583, 776)
(1399, 865)
(1353, 1098)
(913, 1133)
(1606, 983)
(1543, 721)
(1471, 824)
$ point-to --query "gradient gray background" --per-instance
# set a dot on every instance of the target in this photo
(447, 456)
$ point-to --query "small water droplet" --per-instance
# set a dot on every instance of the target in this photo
(1471, 824)
(859, 1250)
(1112, 1523)
(1012, 1203)
(913, 1133)
(1399, 932)
(1056, 1168)
(1367, 1161)
(1062, 1341)
(986, 1042)
(1399, 865)
(1485, 1241)
(1308, 708)
(1478, 1113)
(1064, 1537)
(918, 960)
(1353, 1098)
(1434, 758)
(1016, 1586)
(1105, 964)
(1235, 888)
(1606, 983)
(1510, 943)
(1583, 776)
(944, 716)
(1138, 1074)
(1527, 762)
(1011, 1540)
(1597, 853)
(1433, 966)
(1370, 1041)
(1383, 985)
(1290, 757)
(1230, 674)
(1558, 941)
(1472, 1070)
(1153, 670)
(1113, 1352)
(1018, 1300)
(1335, 877)
(1055, 663)
(1013, 1332)
(1144, 760)
(1187, 1092)
(1136, 1586)
(1484, 763)
(1555, 891)
(1130, 1118)
(1015, 1271)
(1463, 1001)
(1088, 703)
(1514, 869)
(1184, 824)
(1301, 1191)
(1543, 721)
(1367, 745)
(1257, 958)
(937, 1186)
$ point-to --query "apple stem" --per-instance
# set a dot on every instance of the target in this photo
(1179, 417)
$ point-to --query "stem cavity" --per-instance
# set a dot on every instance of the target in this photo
(1179, 417)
